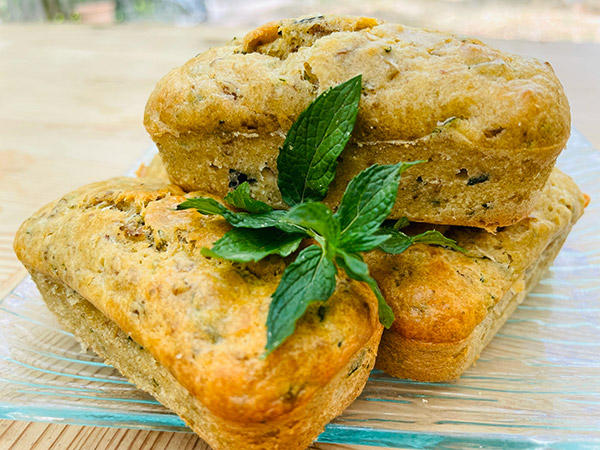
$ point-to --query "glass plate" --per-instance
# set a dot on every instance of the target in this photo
(536, 384)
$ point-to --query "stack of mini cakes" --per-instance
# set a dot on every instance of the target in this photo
(126, 273)
(489, 125)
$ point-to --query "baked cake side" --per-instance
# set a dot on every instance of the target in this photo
(449, 305)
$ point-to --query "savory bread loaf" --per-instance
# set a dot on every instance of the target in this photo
(449, 305)
(122, 270)
(489, 124)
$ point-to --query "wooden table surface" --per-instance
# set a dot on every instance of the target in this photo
(71, 105)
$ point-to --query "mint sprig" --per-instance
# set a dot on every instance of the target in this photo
(210, 206)
(306, 165)
(308, 158)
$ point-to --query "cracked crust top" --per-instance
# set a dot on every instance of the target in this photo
(414, 80)
(489, 124)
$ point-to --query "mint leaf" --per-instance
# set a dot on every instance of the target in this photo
(204, 205)
(399, 241)
(209, 206)
(318, 222)
(357, 269)
(310, 278)
(308, 158)
(434, 237)
(240, 198)
(262, 220)
(401, 223)
(245, 244)
(368, 200)
(364, 242)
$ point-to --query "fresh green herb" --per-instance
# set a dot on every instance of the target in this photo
(308, 279)
(433, 237)
(357, 269)
(241, 199)
(401, 223)
(317, 220)
(399, 241)
(245, 244)
(354, 228)
(308, 158)
(306, 165)
(368, 200)
(210, 206)
(396, 241)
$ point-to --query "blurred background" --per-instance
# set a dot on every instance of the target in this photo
(536, 20)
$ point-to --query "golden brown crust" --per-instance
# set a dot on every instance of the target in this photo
(489, 124)
(440, 361)
(446, 302)
(294, 431)
(121, 245)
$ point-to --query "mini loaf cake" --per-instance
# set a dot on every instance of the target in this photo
(122, 270)
(490, 125)
(449, 305)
